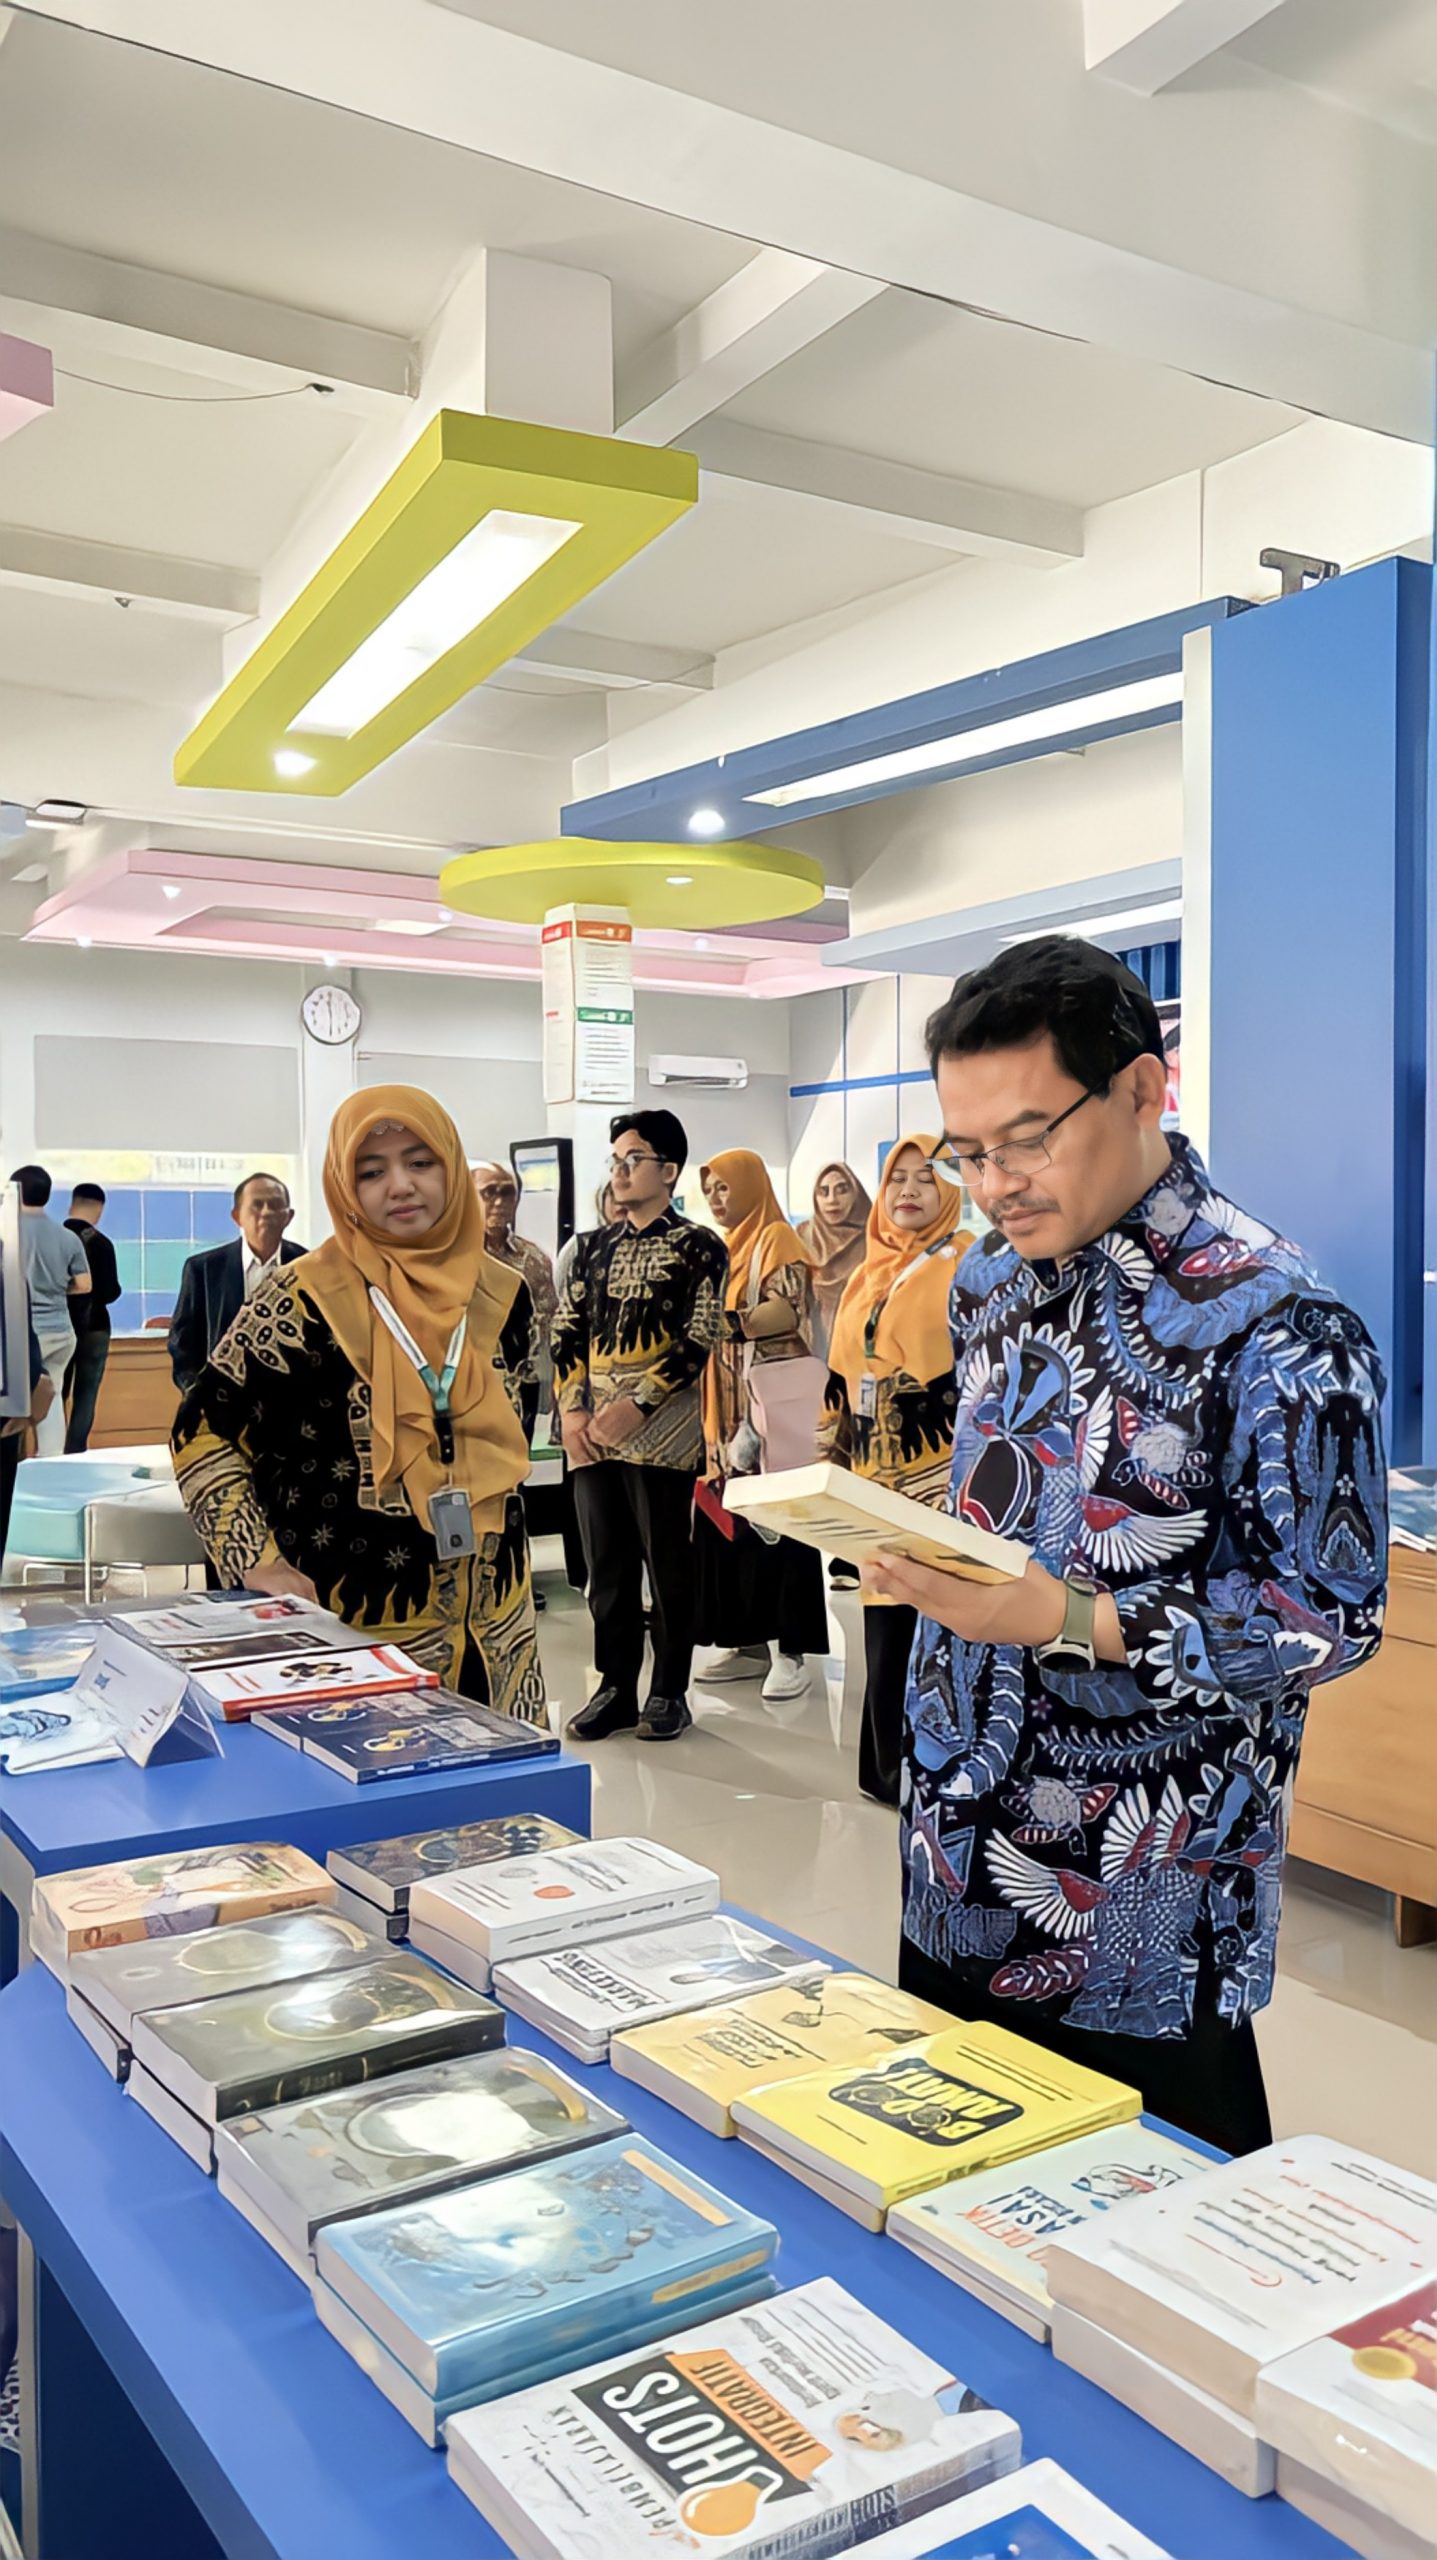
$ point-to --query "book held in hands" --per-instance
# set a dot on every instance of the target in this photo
(383, 1871)
(166, 1895)
(803, 2424)
(700, 2063)
(579, 1995)
(483, 1916)
(851, 1516)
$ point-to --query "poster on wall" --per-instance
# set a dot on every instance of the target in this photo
(588, 995)
(14, 1312)
(1170, 1016)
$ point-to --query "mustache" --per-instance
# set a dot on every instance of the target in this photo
(1022, 1209)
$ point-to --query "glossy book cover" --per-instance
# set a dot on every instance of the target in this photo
(34, 1659)
(396, 1736)
(308, 1679)
(972, 2096)
(551, 2259)
(166, 1895)
(651, 1973)
(779, 2035)
(442, 2124)
(248, 2049)
(122, 1982)
(565, 1895)
(384, 1870)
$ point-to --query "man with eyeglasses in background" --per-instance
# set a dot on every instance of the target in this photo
(638, 1318)
(1162, 1401)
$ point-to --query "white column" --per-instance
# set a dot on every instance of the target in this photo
(588, 1036)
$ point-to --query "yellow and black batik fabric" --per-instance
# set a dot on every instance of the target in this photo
(907, 1441)
(273, 1457)
(639, 1316)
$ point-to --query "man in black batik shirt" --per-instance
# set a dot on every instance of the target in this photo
(637, 1320)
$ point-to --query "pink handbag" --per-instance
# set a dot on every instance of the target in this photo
(786, 1400)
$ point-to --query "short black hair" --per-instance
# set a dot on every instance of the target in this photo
(242, 1187)
(88, 1191)
(34, 1184)
(661, 1130)
(1101, 1017)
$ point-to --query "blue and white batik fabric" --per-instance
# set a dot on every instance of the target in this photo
(1186, 1413)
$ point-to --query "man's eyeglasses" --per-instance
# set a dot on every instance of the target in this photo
(1016, 1155)
(627, 1164)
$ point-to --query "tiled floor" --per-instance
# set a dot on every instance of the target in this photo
(769, 1796)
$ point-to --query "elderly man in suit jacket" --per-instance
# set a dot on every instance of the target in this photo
(214, 1286)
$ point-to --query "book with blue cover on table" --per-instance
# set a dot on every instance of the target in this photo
(557, 2260)
(36, 1659)
(403, 1736)
(382, 1871)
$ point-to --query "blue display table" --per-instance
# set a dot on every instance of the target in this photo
(260, 1790)
(189, 2403)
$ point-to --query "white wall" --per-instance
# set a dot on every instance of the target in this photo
(859, 1042)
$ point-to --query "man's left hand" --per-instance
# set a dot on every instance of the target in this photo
(617, 1423)
(1028, 1611)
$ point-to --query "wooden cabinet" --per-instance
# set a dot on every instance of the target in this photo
(137, 1394)
(1366, 1802)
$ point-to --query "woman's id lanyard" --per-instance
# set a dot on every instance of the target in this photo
(450, 1516)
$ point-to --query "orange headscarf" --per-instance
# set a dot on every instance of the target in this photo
(760, 1242)
(912, 1331)
(429, 1283)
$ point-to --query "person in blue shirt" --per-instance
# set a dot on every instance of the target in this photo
(1163, 1402)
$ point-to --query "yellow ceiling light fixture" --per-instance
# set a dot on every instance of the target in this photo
(741, 883)
(488, 532)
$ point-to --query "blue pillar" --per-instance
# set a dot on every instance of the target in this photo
(1318, 987)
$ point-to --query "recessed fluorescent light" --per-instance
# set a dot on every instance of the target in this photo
(412, 925)
(445, 914)
(501, 554)
(1136, 919)
(84, 940)
(1065, 720)
(328, 960)
(291, 763)
(678, 880)
(706, 822)
(169, 888)
(60, 813)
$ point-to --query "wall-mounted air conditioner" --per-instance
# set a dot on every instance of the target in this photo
(720, 1075)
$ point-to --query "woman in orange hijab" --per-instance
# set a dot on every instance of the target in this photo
(892, 1403)
(356, 1414)
(748, 1592)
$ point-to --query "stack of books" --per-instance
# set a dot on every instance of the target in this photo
(40, 1726)
(991, 2230)
(378, 1874)
(580, 1995)
(164, 1896)
(109, 1989)
(868, 2136)
(1353, 2419)
(496, 2288)
(796, 2425)
(1038, 2513)
(1188, 2295)
(701, 2064)
(400, 1737)
(482, 1916)
(223, 1626)
(292, 2169)
(262, 1676)
(195, 2067)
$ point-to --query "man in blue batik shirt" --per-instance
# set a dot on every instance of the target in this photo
(1159, 1398)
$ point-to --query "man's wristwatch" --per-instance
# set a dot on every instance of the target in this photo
(1074, 1648)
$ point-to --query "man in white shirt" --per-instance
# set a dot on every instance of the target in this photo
(214, 1286)
(56, 1272)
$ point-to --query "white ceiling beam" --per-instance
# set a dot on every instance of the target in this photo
(200, 590)
(922, 506)
(1147, 44)
(773, 308)
(136, 313)
(587, 657)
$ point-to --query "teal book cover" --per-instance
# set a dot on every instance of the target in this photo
(560, 2261)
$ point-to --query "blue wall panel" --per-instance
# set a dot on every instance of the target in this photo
(1319, 767)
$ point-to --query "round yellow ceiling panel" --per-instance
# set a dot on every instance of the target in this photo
(703, 885)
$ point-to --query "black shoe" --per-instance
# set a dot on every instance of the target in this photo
(608, 1711)
(664, 1719)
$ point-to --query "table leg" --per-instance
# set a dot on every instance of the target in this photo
(1414, 1923)
(17, 1883)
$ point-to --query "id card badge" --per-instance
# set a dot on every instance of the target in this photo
(452, 1521)
(868, 1399)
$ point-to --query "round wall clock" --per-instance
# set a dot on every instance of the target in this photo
(330, 1014)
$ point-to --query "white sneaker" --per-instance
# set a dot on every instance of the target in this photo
(744, 1662)
(789, 1678)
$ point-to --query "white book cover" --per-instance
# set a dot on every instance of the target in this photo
(653, 1973)
(1359, 2406)
(1360, 2527)
(1038, 2513)
(1206, 2428)
(1002, 2222)
(1220, 2275)
(795, 2426)
(464, 1962)
(848, 1515)
(561, 1897)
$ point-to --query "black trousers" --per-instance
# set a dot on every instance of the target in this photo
(887, 1643)
(630, 1517)
(1208, 2083)
(82, 1387)
(10, 1448)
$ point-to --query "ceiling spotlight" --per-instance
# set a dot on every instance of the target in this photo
(289, 762)
(680, 879)
(706, 822)
(445, 914)
(169, 888)
(84, 940)
(329, 960)
(59, 813)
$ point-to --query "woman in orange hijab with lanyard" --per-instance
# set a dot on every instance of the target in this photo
(892, 1404)
(352, 1437)
(748, 1591)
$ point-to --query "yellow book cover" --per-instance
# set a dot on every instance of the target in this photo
(716, 2055)
(965, 2099)
(163, 1896)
